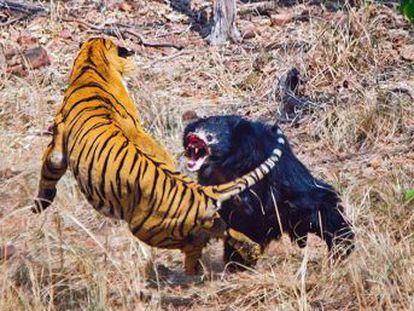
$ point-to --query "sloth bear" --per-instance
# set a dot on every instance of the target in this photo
(289, 199)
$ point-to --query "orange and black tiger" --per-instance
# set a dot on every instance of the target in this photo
(123, 172)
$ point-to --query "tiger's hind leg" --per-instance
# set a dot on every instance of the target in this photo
(53, 167)
(246, 248)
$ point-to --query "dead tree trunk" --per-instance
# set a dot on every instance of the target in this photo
(224, 23)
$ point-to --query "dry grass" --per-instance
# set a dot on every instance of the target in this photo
(359, 138)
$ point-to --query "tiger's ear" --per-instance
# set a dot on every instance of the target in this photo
(124, 52)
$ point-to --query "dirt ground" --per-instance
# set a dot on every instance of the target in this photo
(357, 66)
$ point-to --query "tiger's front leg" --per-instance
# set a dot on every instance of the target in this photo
(53, 168)
(192, 258)
(248, 249)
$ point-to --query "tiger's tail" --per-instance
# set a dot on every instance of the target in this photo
(53, 168)
(225, 191)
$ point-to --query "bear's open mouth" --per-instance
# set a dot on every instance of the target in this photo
(196, 152)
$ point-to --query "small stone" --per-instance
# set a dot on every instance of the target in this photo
(10, 51)
(125, 7)
(281, 19)
(37, 57)
(375, 163)
(27, 40)
(65, 34)
(7, 251)
(250, 32)
(407, 52)
(8, 173)
(17, 70)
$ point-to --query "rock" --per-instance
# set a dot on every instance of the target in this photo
(10, 51)
(8, 173)
(281, 19)
(250, 32)
(34, 57)
(17, 70)
(375, 163)
(407, 52)
(37, 57)
(65, 34)
(7, 251)
(27, 40)
(125, 7)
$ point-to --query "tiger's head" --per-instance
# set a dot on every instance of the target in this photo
(103, 53)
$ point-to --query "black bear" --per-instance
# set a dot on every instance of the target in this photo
(289, 199)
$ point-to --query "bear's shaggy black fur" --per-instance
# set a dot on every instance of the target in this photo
(289, 200)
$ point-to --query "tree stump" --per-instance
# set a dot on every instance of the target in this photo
(224, 23)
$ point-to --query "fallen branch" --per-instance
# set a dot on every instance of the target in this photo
(402, 87)
(115, 30)
(167, 300)
(257, 7)
(152, 44)
(12, 21)
(42, 133)
(21, 7)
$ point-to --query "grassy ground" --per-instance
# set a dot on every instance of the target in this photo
(359, 137)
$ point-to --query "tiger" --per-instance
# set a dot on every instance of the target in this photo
(126, 174)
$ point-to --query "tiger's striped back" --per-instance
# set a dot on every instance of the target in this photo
(122, 171)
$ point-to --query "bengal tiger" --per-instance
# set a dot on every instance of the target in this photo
(123, 172)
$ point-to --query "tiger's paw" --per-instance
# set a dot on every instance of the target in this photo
(250, 253)
(249, 250)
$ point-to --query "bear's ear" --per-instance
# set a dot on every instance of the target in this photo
(243, 133)
(246, 147)
(246, 139)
